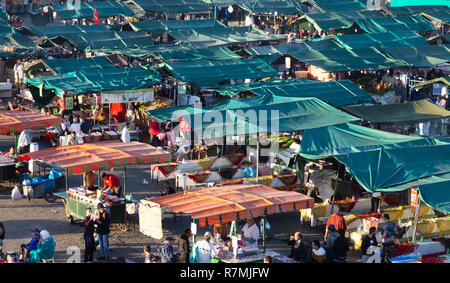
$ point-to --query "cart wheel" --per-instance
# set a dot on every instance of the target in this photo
(123, 227)
(70, 218)
(49, 196)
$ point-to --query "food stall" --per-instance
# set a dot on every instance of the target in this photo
(16, 121)
(217, 205)
(77, 159)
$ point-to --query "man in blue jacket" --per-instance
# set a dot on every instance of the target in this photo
(166, 251)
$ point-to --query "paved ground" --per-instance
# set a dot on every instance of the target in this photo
(19, 217)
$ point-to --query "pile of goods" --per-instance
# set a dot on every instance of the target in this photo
(89, 197)
(374, 85)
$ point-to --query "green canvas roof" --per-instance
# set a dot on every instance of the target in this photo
(398, 24)
(444, 80)
(421, 56)
(347, 138)
(335, 93)
(415, 10)
(209, 73)
(381, 39)
(397, 169)
(282, 7)
(104, 9)
(338, 5)
(292, 115)
(111, 79)
(383, 161)
(411, 112)
(436, 195)
(182, 53)
(172, 6)
(204, 33)
(82, 75)
(440, 17)
(402, 3)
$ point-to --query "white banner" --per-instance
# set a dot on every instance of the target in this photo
(150, 219)
(126, 96)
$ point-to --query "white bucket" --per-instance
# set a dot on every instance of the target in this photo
(34, 147)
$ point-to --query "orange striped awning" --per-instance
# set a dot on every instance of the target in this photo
(21, 120)
(100, 155)
(224, 204)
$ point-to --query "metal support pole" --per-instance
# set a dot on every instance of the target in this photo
(125, 183)
(67, 179)
(109, 116)
(416, 219)
(257, 159)
(15, 143)
(98, 179)
(264, 234)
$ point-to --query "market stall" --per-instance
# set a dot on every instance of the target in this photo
(166, 171)
(77, 159)
(215, 205)
(201, 178)
(272, 181)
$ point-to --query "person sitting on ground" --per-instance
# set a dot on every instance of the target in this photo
(148, 255)
(332, 236)
(297, 246)
(86, 125)
(167, 189)
(306, 255)
(111, 184)
(340, 246)
(11, 154)
(166, 251)
(368, 241)
(45, 249)
(72, 140)
(319, 255)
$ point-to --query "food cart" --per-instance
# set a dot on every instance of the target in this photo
(216, 205)
(77, 159)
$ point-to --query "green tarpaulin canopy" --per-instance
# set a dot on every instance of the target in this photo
(204, 33)
(402, 3)
(338, 5)
(398, 169)
(336, 93)
(444, 80)
(336, 59)
(411, 112)
(172, 6)
(421, 56)
(208, 73)
(415, 10)
(382, 161)
(86, 10)
(436, 195)
(380, 39)
(244, 118)
(183, 53)
(282, 7)
(349, 138)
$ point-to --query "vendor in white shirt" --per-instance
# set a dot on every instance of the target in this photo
(250, 233)
(125, 137)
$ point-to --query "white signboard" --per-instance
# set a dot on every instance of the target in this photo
(150, 219)
(126, 96)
